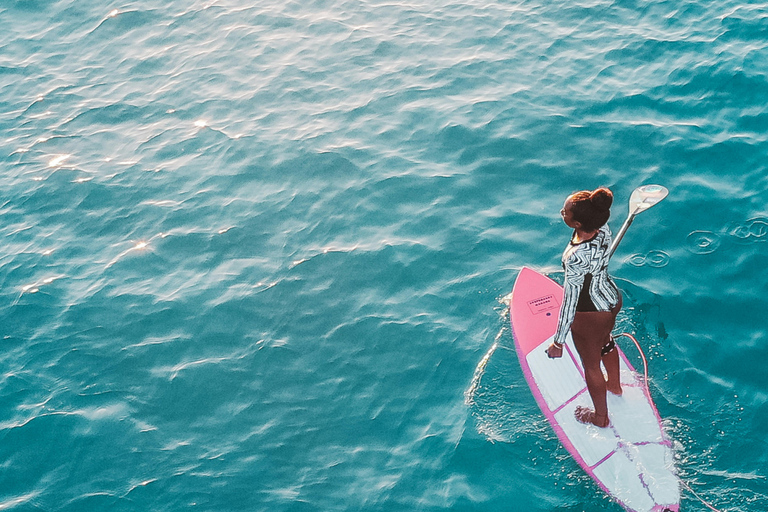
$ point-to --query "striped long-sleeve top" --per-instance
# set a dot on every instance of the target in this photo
(588, 287)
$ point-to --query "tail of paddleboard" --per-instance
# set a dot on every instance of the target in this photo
(631, 459)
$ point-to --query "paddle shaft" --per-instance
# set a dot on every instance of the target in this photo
(620, 234)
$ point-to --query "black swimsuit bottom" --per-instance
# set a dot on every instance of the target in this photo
(585, 304)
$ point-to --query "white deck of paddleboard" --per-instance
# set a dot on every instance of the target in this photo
(631, 458)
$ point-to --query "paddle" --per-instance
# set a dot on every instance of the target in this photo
(641, 199)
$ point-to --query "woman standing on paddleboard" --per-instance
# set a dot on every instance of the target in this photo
(592, 300)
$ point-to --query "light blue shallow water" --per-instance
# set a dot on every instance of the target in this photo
(252, 256)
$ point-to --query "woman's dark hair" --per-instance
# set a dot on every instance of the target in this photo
(592, 209)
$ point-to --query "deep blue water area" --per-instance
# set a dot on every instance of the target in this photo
(255, 253)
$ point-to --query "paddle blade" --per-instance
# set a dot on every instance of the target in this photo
(646, 196)
(641, 199)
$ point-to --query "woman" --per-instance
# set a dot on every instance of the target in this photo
(591, 301)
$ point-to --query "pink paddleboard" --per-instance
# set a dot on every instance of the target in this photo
(631, 459)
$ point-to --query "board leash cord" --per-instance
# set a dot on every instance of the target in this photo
(648, 390)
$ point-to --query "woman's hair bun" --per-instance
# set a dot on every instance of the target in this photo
(601, 199)
(592, 209)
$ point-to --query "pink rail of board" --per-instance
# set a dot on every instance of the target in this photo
(632, 459)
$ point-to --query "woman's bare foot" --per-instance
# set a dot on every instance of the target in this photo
(615, 389)
(588, 416)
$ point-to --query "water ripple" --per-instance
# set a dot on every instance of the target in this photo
(752, 230)
(706, 242)
(655, 259)
(703, 242)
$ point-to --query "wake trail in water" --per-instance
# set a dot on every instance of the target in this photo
(469, 394)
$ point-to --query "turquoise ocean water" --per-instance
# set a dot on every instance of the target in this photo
(254, 253)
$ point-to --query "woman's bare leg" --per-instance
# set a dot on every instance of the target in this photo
(589, 350)
(611, 363)
(611, 359)
(591, 331)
